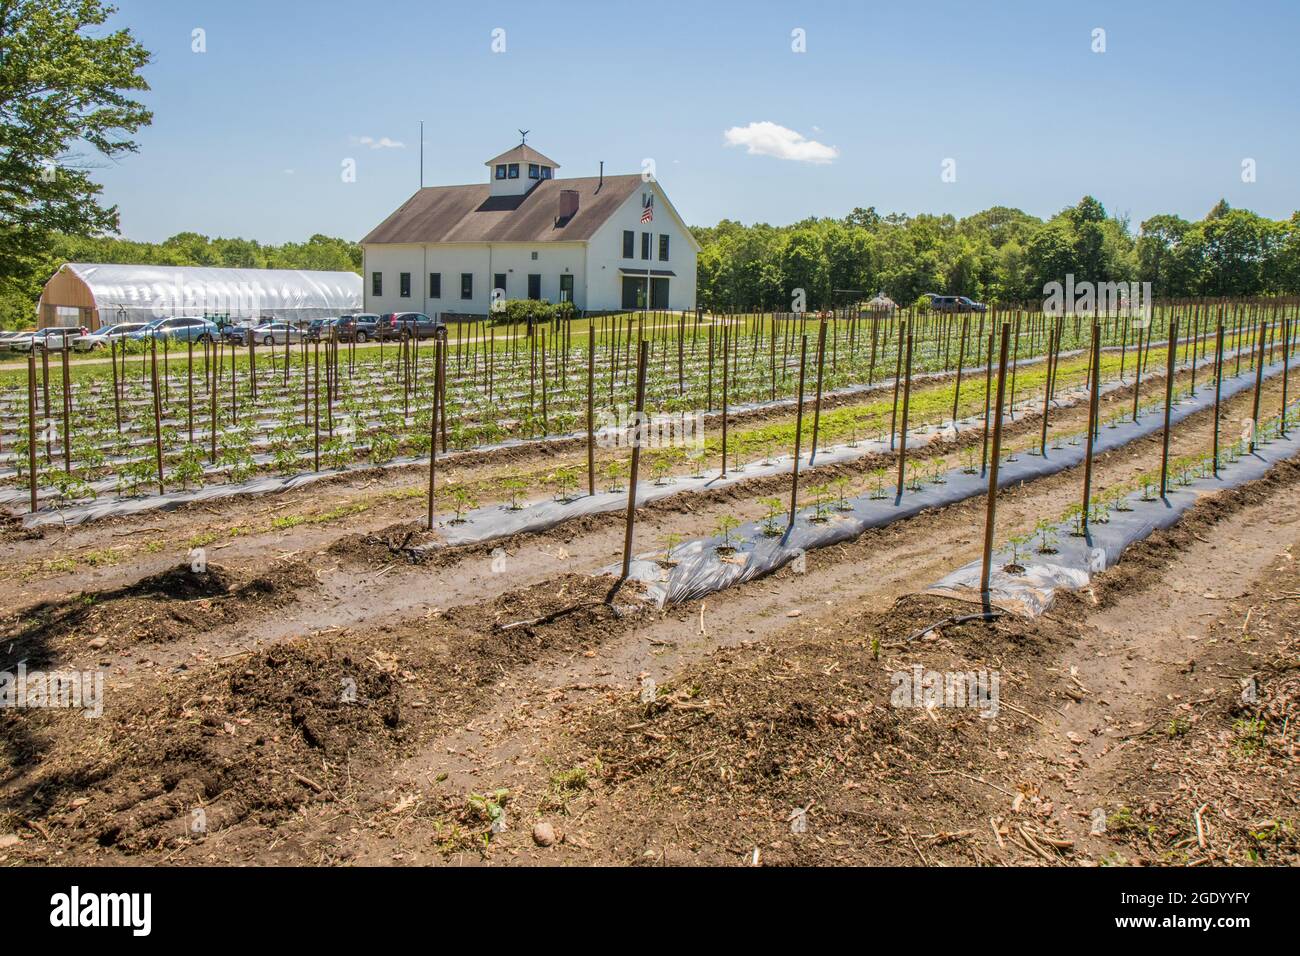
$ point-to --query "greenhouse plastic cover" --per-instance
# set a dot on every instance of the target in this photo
(152, 292)
(1032, 592)
(699, 570)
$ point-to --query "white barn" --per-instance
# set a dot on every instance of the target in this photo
(605, 243)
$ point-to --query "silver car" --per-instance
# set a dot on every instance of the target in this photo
(277, 333)
(7, 339)
(102, 336)
(53, 339)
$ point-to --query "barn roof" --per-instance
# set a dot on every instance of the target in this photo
(473, 214)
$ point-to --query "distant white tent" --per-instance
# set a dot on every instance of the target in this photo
(94, 294)
(880, 303)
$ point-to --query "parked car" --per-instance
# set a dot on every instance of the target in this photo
(8, 338)
(318, 330)
(235, 334)
(52, 339)
(416, 325)
(102, 336)
(277, 333)
(179, 329)
(357, 328)
(954, 303)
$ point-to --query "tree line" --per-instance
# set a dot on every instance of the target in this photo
(1000, 254)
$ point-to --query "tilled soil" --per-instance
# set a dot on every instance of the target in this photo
(164, 607)
(770, 699)
(253, 739)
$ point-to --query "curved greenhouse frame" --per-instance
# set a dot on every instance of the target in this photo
(93, 294)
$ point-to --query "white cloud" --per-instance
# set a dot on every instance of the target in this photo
(383, 142)
(769, 139)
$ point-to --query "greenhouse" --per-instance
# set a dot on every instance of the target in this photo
(92, 295)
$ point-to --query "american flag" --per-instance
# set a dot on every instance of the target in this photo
(648, 214)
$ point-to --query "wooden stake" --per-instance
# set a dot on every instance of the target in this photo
(798, 430)
(638, 438)
(898, 375)
(1047, 391)
(961, 359)
(591, 414)
(1218, 389)
(726, 364)
(1259, 379)
(433, 426)
(990, 516)
(157, 412)
(31, 425)
(817, 404)
(67, 407)
(902, 432)
(1169, 402)
(988, 383)
(1093, 398)
(1137, 379)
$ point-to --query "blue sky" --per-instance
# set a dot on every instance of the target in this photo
(249, 137)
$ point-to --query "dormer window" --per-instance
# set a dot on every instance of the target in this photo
(513, 172)
(534, 171)
(501, 170)
(546, 172)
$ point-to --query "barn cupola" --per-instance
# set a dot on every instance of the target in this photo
(518, 170)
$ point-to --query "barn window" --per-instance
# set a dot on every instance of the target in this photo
(376, 283)
(663, 247)
(501, 170)
(629, 238)
(467, 285)
(435, 285)
(514, 171)
(534, 172)
(404, 284)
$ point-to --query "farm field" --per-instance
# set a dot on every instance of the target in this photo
(297, 658)
(158, 421)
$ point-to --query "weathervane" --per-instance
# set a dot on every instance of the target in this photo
(523, 136)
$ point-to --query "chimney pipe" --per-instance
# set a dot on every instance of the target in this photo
(602, 176)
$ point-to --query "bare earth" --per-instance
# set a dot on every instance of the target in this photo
(318, 697)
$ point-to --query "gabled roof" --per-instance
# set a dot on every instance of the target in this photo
(522, 154)
(472, 214)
